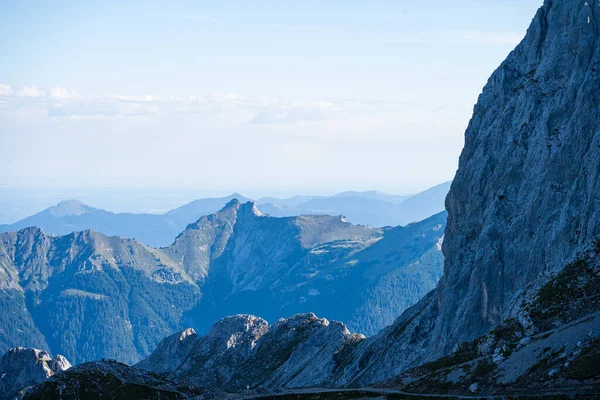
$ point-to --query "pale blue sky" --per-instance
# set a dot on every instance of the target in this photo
(267, 97)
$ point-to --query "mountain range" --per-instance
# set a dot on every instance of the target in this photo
(159, 230)
(517, 310)
(57, 291)
(516, 313)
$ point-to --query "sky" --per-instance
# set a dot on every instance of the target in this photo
(260, 97)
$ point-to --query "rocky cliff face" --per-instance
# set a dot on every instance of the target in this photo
(526, 198)
(525, 203)
(244, 350)
(21, 368)
(522, 243)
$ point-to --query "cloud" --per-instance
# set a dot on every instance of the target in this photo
(31, 91)
(464, 37)
(296, 112)
(226, 108)
(60, 93)
(5, 90)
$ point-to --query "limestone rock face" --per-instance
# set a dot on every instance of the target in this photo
(170, 352)
(243, 350)
(21, 368)
(525, 202)
(526, 198)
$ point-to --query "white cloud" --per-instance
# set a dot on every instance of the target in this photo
(231, 109)
(60, 93)
(5, 90)
(296, 112)
(31, 91)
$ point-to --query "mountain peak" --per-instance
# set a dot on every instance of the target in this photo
(249, 208)
(237, 196)
(231, 203)
(23, 367)
(70, 208)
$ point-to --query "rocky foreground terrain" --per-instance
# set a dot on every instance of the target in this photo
(22, 368)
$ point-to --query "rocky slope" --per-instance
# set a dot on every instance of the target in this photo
(244, 350)
(553, 346)
(89, 296)
(114, 380)
(21, 368)
(524, 206)
(276, 267)
(517, 308)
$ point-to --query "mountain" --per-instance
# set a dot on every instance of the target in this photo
(376, 195)
(424, 204)
(190, 212)
(517, 311)
(73, 216)
(522, 241)
(244, 350)
(89, 296)
(361, 210)
(21, 368)
(365, 208)
(284, 266)
(159, 230)
(151, 229)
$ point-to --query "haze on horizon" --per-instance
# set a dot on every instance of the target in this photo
(268, 98)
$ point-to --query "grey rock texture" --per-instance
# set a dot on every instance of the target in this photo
(23, 367)
(526, 198)
(551, 346)
(244, 350)
(170, 352)
(525, 202)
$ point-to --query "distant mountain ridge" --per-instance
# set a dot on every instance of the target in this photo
(159, 230)
(89, 296)
(151, 229)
